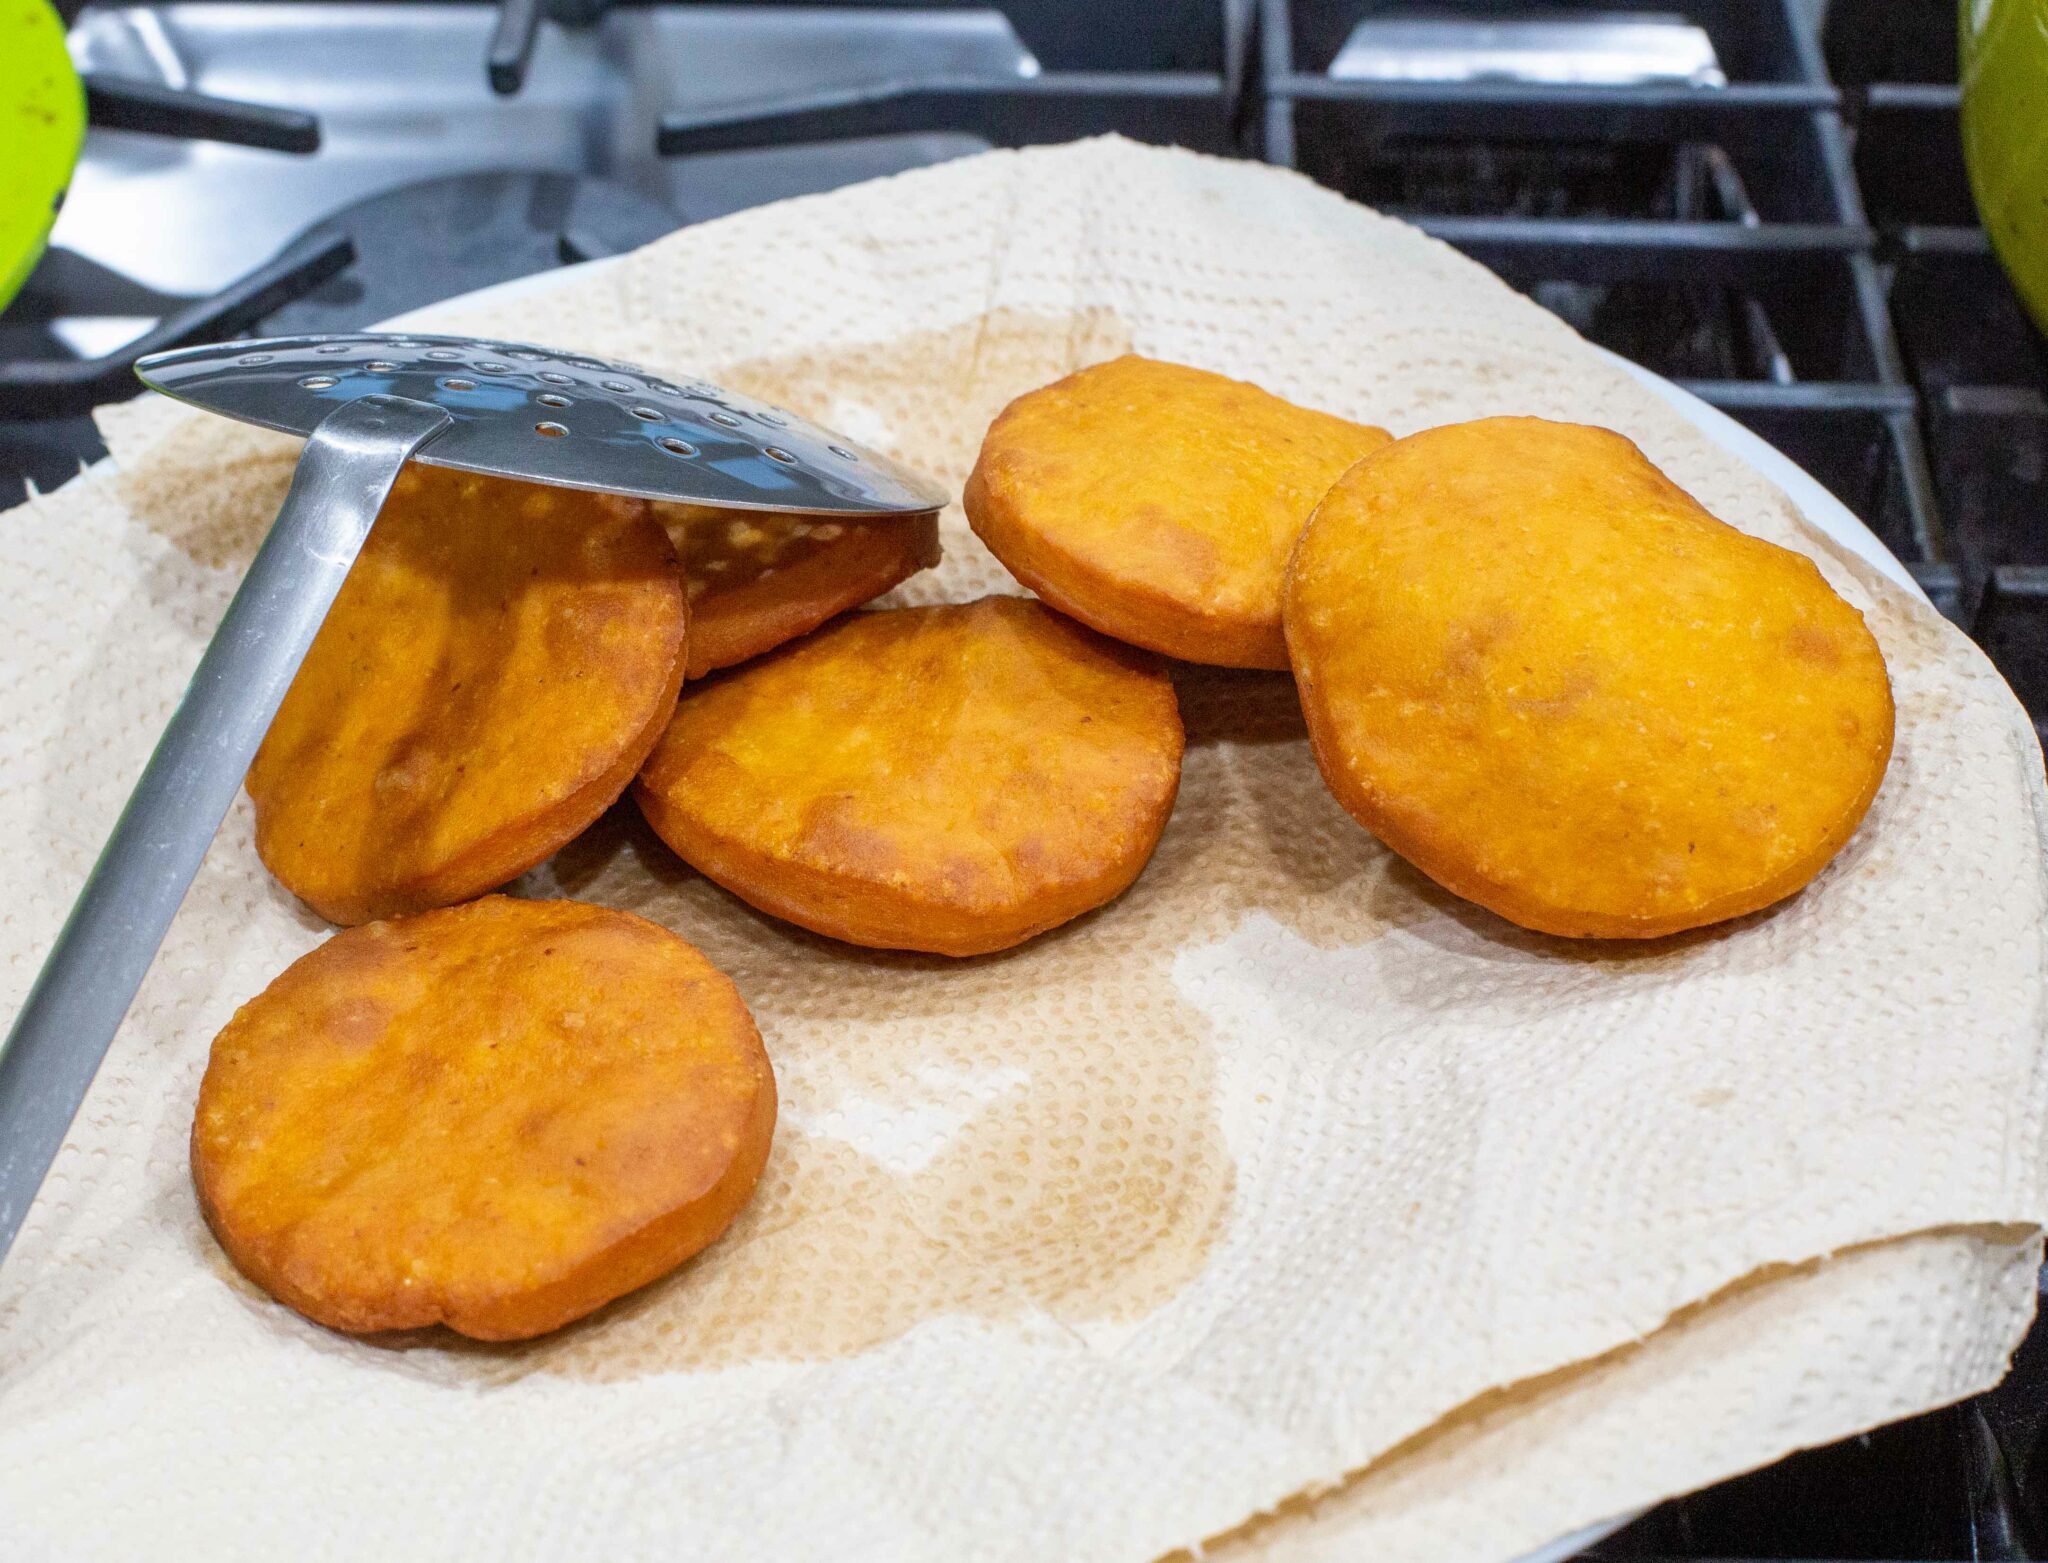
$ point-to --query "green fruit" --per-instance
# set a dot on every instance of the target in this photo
(42, 122)
(2005, 135)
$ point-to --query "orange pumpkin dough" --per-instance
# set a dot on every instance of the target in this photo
(757, 580)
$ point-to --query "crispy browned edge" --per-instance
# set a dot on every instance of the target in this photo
(1130, 611)
(776, 608)
(847, 909)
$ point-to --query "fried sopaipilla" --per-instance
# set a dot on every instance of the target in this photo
(1548, 677)
(1158, 503)
(497, 665)
(952, 779)
(496, 1117)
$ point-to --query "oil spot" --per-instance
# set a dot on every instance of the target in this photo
(215, 1258)
(1032, 1131)
(1465, 654)
(356, 1023)
(1579, 685)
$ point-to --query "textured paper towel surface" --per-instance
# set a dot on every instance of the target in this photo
(1096, 1249)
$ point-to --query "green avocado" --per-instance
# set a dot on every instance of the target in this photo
(42, 123)
(2005, 135)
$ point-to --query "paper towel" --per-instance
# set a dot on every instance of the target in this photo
(1285, 1167)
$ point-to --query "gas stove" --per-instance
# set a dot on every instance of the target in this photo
(1765, 208)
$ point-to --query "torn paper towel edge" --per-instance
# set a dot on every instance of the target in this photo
(1737, 1373)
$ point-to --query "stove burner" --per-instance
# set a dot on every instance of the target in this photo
(425, 242)
(380, 257)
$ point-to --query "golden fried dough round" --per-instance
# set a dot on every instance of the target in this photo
(496, 1117)
(1544, 674)
(1158, 503)
(497, 665)
(757, 580)
(951, 779)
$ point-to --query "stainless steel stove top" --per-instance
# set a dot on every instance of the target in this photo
(401, 96)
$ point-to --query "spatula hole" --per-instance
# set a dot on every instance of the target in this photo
(555, 378)
(494, 368)
(777, 453)
(444, 355)
(253, 358)
(381, 366)
(319, 382)
(842, 452)
(620, 387)
(720, 415)
(550, 399)
(676, 447)
(456, 383)
(645, 414)
(553, 431)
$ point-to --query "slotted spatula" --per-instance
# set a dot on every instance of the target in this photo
(367, 404)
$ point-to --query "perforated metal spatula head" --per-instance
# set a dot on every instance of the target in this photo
(522, 411)
(367, 404)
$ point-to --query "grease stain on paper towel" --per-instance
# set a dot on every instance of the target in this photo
(1037, 1131)
(1031, 1132)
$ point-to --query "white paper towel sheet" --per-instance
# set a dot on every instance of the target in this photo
(1286, 1172)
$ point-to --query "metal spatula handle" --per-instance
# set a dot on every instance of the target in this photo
(112, 935)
